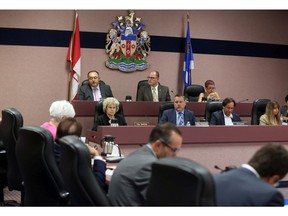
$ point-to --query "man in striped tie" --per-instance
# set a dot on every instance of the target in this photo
(178, 115)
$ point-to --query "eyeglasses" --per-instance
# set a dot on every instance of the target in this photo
(151, 78)
(91, 78)
(171, 148)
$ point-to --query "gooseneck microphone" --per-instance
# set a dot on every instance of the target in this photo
(173, 93)
(241, 101)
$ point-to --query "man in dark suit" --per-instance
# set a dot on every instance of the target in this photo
(226, 115)
(253, 184)
(154, 91)
(94, 89)
(131, 178)
(179, 115)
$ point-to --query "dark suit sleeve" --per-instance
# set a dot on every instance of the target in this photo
(121, 119)
(83, 93)
(213, 120)
(100, 120)
(192, 118)
(164, 117)
(99, 169)
(236, 118)
(109, 91)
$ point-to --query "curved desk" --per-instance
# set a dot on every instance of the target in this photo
(210, 146)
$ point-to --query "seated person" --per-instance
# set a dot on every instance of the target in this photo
(58, 111)
(154, 91)
(272, 114)
(284, 110)
(226, 115)
(210, 93)
(253, 184)
(70, 126)
(110, 109)
(94, 90)
(179, 115)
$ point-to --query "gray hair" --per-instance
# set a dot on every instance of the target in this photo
(60, 109)
(110, 101)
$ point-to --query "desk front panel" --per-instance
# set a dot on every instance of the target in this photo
(209, 146)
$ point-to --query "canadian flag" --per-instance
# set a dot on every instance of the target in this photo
(74, 57)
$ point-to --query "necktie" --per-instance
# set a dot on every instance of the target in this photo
(180, 119)
(95, 94)
(155, 98)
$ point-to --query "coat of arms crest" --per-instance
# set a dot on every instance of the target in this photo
(127, 44)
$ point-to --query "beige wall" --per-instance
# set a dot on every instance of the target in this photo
(32, 77)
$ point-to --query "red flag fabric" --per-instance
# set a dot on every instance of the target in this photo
(74, 56)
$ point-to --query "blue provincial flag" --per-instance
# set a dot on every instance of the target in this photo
(188, 58)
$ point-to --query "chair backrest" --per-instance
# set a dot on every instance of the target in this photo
(43, 183)
(212, 107)
(163, 107)
(258, 109)
(180, 182)
(193, 91)
(141, 83)
(79, 179)
(12, 121)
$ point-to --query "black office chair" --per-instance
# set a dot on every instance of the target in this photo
(99, 111)
(75, 166)
(193, 91)
(180, 182)
(12, 121)
(210, 108)
(258, 109)
(44, 184)
(163, 107)
(141, 83)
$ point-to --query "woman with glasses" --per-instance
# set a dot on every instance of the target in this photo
(210, 92)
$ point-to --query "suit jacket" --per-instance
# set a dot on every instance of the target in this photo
(86, 93)
(241, 187)
(104, 120)
(217, 118)
(170, 116)
(130, 180)
(145, 93)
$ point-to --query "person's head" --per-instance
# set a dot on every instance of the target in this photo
(166, 140)
(93, 78)
(228, 105)
(68, 126)
(153, 78)
(271, 162)
(286, 99)
(60, 110)
(110, 106)
(272, 109)
(179, 103)
(209, 86)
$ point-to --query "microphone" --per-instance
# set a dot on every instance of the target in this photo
(227, 168)
(218, 168)
(241, 101)
(173, 93)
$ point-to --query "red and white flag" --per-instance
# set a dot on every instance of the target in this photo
(74, 57)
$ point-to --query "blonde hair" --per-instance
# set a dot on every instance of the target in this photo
(110, 101)
(269, 112)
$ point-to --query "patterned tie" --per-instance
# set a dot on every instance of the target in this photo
(95, 94)
(155, 98)
(180, 119)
